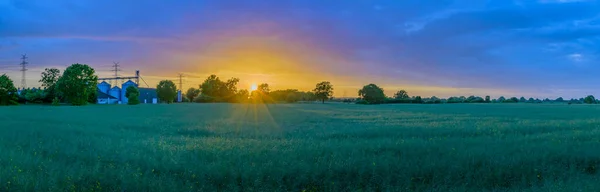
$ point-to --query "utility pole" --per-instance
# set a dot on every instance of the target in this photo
(116, 70)
(181, 81)
(23, 69)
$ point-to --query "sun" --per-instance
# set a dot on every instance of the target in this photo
(253, 87)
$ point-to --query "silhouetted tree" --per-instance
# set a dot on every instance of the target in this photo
(192, 93)
(372, 93)
(402, 94)
(487, 99)
(323, 91)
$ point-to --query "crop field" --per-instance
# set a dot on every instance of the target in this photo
(301, 147)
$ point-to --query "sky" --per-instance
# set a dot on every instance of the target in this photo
(531, 48)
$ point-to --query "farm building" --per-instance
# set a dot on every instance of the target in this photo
(116, 95)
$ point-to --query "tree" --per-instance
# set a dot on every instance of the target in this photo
(323, 91)
(522, 100)
(418, 99)
(531, 100)
(78, 84)
(402, 94)
(372, 93)
(264, 88)
(487, 99)
(50, 77)
(501, 99)
(166, 91)
(242, 96)
(8, 92)
(589, 99)
(215, 90)
(560, 99)
(34, 95)
(192, 93)
(133, 95)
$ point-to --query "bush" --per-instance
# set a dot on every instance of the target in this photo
(55, 101)
(204, 99)
(362, 102)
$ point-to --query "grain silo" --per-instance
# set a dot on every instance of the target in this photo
(124, 90)
(104, 87)
(115, 92)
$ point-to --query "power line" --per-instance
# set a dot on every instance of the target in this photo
(23, 70)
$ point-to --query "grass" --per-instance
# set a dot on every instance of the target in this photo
(301, 147)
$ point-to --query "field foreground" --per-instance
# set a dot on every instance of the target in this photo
(312, 147)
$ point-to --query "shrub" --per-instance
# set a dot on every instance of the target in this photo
(204, 99)
(362, 102)
(55, 101)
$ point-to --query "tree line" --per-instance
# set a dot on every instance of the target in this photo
(215, 90)
(77, 85)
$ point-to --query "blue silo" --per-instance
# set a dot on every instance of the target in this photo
(104, 87)
(124, 90)
(115, 92)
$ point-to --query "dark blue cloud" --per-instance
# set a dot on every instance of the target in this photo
(521, 45)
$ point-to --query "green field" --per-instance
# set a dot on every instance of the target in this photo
(296, 147)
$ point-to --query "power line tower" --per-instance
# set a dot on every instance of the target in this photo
(23, 69)
(181, 81)
(116, 69)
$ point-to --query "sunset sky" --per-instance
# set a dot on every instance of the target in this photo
(531, 48)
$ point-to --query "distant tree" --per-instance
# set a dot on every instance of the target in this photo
(34, 95)
(522, 100)
(477, 100)
(531, 100)
(264, 88)
(242, 96)
(487, 99)
(546, 100)
(501, 99)
(323, 91)
(372, 93)
(418, 99)
(166, 91)
(8, 92)
(560, 99)
(589, 99)
(50, 77)
(513, 100)
(133, 95)
(218, 91)
(402, 94)
(78, 84)
(192, 93)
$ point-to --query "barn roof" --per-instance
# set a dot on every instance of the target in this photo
(104, 95)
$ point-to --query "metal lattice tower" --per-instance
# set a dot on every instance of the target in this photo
(116, 69)
(181, 81)
(23, 70)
